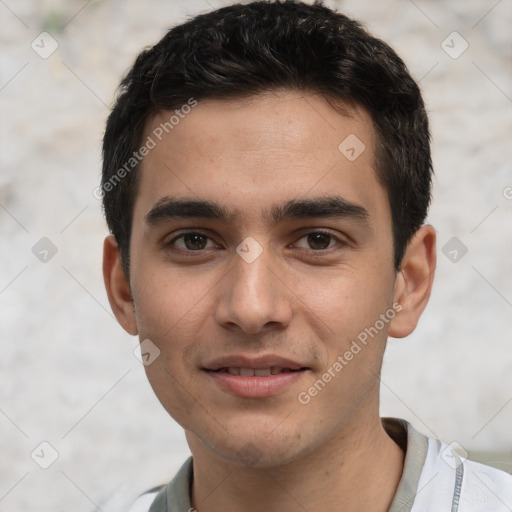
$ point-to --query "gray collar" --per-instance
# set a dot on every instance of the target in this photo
(415, 446)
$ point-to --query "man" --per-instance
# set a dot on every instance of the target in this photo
(266, 178)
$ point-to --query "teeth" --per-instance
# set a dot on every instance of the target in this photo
(259, 372)
(262, 372)
(251, 372)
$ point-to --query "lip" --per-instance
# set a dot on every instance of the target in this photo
(255, 386)
(241, 361)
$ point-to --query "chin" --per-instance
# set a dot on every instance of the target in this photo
(253, 447)
(259, 455)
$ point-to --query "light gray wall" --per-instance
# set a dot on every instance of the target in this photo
(69, 375)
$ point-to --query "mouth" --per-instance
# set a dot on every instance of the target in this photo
(261, 377)
(257, 372)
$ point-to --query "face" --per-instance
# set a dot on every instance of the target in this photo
(277, 260)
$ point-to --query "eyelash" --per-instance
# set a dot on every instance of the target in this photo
(191, 253)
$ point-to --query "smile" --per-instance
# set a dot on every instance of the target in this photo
(256, 372)
(255, 382)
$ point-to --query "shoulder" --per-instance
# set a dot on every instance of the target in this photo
(448, 478)
(485, 485)
(436, 477)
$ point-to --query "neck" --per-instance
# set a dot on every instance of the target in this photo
(357, 469)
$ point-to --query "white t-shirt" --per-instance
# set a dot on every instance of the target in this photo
(434, 479)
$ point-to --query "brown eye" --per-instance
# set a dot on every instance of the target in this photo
(194, 241)
(319, 241)
(190, 242)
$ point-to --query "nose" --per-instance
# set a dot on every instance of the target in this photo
(254, 297)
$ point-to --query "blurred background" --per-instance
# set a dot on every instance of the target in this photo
(80, 426)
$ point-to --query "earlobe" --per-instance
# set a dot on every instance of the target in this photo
(414, 281)
(117, 286)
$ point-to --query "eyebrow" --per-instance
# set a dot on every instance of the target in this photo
(167, 209)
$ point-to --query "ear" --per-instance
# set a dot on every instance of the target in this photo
(414, 281)
(118, 287)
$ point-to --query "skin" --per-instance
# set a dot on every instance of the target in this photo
(296, 300)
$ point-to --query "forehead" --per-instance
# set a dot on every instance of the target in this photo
(252, 152)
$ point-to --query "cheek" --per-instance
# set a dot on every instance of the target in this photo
(347, 301)
(352, 337)
(172, 328)
(171, 311)
(165, 299)
(345, 315)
